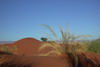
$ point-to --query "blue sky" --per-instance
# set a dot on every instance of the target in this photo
(23, 18)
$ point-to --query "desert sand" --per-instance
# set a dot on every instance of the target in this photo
(27, 56)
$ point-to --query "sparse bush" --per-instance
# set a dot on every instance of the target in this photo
(94, 46)
(44, 39)
(9, 50)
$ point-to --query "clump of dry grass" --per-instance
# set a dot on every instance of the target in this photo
(9, 50)
(69, 44)
(56, 48)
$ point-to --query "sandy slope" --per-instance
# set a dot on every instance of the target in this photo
(27, 47)
(35, 61)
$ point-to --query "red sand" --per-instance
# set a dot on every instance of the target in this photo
(27, 47)
(48, 61)
(35, 61)
(94, 57)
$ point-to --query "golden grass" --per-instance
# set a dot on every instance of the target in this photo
(69, 41)
(8, 49)
(70, 45)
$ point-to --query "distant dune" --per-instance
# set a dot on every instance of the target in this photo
(27, 47)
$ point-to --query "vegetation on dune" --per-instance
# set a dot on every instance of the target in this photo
(68, 45)
(44, 39)
(94, 46)
(68, 42)
(9, 50)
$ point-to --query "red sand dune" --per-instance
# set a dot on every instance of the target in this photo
(35, 61)
(27, 47)
(94, 57)
(48, 61)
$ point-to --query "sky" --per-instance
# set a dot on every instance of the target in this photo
(24, 18)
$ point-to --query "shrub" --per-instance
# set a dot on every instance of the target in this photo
(8, 49)
(94, 46)
(44, 39)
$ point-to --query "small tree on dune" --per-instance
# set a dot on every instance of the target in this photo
(44, 39)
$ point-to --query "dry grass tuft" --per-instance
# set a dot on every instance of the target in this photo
(69, 42)
(70, 45)
(8, 49)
